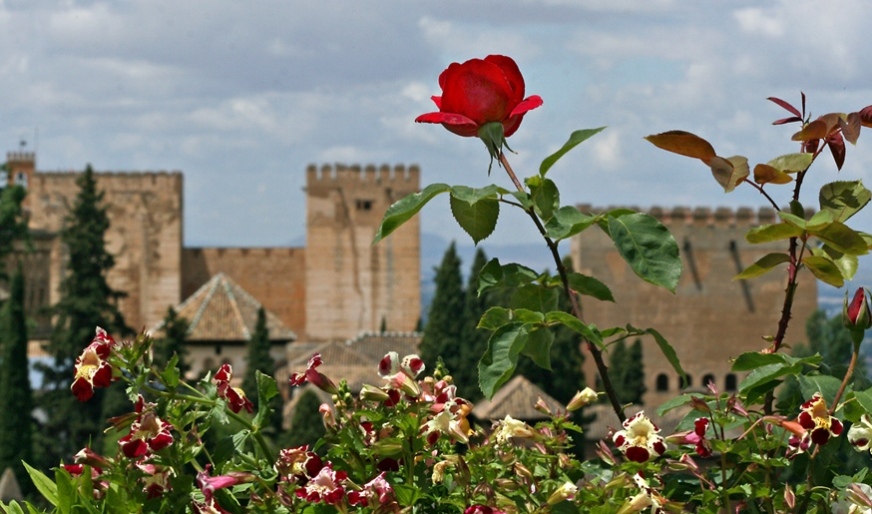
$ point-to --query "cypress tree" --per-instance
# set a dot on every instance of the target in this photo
(474, 341)
(627, 372)
(86, 302)
(16, 400)
(443, 335)
(13, 225)
(172, 342)
(306, 424)
(259, 357)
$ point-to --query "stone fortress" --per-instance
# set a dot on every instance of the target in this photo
(339, 286)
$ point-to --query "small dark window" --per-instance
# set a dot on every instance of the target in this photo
(685, 381)
(364, 205)
(708, 379)
(730, 382)
(21, 179)
(662, 382)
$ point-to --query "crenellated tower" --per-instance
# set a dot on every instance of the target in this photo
(351, 284)
(711, 318)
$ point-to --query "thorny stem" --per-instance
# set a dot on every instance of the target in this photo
(595, 352)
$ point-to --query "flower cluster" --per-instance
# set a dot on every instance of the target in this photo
(313, 376)
(92, 368)
(148, 433)
(235, 396)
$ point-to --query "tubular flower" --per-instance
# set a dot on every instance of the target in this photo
(235, 396)
(147, 433)
(92, 368)
(314, 377)
(156, 480)
(478, 92)
(816, 419)
(451, 421)
(639, 440)
(695, 437)
(298, 465)
(567, 491)
(860, 434)
(376, 492)
(482, 509)
(327, 486)
(584, 397)
(511, 427)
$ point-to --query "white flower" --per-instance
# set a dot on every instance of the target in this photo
(639, 440)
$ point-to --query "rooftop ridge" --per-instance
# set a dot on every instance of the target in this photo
(701, 215)
(366, 173)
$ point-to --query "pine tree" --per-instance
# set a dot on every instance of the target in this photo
(444, 335)
(474, 341)
(259, 358)
(173, 341)
(16, 398)
(86, 302)
(306, 424)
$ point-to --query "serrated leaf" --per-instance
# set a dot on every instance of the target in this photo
(538, 347)
(729, 172)
(844, 199)
(575, 139)
(847, 263)
(648, 248)
(842, 238)
(769, 233)
(545, 195)
(501, 357)
(765, 174)
(567, 222)
(494, 318)
(824, 384)
(792, 162)
(766, 375)
(793, 219)
(477, 218)
(266, 391)
(763, 265)
(824, 269)
(683, 143)
(404, 209)
(590, 286)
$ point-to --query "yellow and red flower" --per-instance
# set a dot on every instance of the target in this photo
(92, 368)
(235, 396)
(639, 441)
(816, 419)
(147, 434)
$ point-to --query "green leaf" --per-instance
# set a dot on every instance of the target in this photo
(535, 297)
(864, 398)
(792, 162)
(501, 358)
(588, 332)
(824, 384)
(794, 219)
(766, 375)
(46, 487)
(763, 265)
(590, 286)
(668, 351)
(494, 275)
(729, 172)
(538, 346)
(546, 196)
(824, 269)
(842, 238)
(406, 495)
(266, 391)
(752, 360)
(673, 403)
(403, 210)
(494, 318)
(66, 492)
(170, 375)
(769, 233)
(476, 210)
(648, 248)
(12, 508)
(844, 199)
(575, 139)
(567, 222)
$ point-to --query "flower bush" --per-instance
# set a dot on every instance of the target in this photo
(407, 443)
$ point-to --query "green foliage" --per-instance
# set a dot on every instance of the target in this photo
(475, 340)
(259, 358)
(444, 333)
(16, 397)
(86, 302)
(306, 426)
(627, 370)
(175, 330)
(13, 225)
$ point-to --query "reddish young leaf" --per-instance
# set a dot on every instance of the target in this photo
(683, 143)
(818, 129)
(851, 127)
(764, 174)
(787, 106)
(866, 116)
(837, 148)
(782, 121)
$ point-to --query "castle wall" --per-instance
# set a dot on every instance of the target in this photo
(351, 284)
(275, 276)
(711, 318)
(144, 237)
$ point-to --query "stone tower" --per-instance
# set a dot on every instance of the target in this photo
(351, 284)
(711, 318)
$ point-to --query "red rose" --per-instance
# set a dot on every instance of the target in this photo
(478, 92)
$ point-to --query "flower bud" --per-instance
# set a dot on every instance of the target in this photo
(856, 315)
(584, 397)
(566, 491)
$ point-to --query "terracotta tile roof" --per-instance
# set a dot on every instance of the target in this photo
(354, 360)
(515, 399)
(222, 311)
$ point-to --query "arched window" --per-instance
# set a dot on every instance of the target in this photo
(685, 381)
(707, 379)
(730, 382)
(662, 383)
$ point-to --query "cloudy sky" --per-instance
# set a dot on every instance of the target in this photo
(241, 96)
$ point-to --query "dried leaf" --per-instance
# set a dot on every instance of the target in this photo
(850, 126)
(683, 143)
(765, 174)
(815, 130)
(729, 172)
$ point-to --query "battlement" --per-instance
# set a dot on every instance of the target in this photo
(20, 157)
(702, 216)
(256, 253)
(364, 175)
